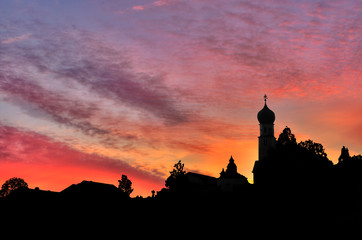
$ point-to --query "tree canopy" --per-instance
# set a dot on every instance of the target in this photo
(125, 185)
(286, 137)
(313, 147)
(344, 155)
(176, 176)
(298, 163)
(11, 185)
(308, 150)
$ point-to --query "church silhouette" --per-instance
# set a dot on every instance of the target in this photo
(294, 179)
(232, 181)
(267, 142)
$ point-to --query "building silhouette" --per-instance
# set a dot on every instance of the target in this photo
(199, 183)
(195, 185)
(230, 180)
(266, 118)
(267, 142)
(92, 192)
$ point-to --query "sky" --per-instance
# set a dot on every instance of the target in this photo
(93, 90)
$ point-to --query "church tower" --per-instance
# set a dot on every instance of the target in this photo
(266, 118)
(263, 169)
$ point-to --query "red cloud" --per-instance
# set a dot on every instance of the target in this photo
(34, 151)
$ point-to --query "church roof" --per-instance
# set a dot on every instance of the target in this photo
(266, 116)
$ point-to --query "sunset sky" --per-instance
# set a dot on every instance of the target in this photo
(91, 90)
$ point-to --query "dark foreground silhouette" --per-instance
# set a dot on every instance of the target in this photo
(250, 206)
(296, 187)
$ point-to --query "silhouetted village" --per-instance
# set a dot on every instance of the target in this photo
(291, 180)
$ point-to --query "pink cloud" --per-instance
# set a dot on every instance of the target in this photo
(16, 39)
(161, 2)
(138, 8)
(158, 3)
(102, 69)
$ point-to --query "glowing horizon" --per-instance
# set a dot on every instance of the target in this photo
(93, 91)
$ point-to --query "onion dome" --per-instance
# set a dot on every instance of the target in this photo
(266, 116)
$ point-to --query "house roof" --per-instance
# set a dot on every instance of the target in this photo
(200, 178)
(90, 186)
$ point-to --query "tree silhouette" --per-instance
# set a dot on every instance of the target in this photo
(313, 147)
(286, 137)
(302, 164)
(357, 157)
(344, 155)
(176, 177)
(348, 170)
(12, 184)
(317, 168)
(125, 185)
(308, 150)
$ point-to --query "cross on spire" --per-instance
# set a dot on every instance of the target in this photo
(265, 98)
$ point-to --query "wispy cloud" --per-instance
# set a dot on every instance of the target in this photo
(101, 69)
(16, 39)
(155, 4)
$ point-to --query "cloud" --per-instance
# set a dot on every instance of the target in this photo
(16, 39)
(106, 71)
(263, 45)
(37, 100)
(160, 3)
(101, 70)
(155, 4)
(20, 146)
(138, 8)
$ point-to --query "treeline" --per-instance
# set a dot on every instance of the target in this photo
(305, 164)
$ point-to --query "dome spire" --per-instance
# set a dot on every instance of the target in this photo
(266, 116)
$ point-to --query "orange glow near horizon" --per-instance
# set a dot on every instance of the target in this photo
(57, 178)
